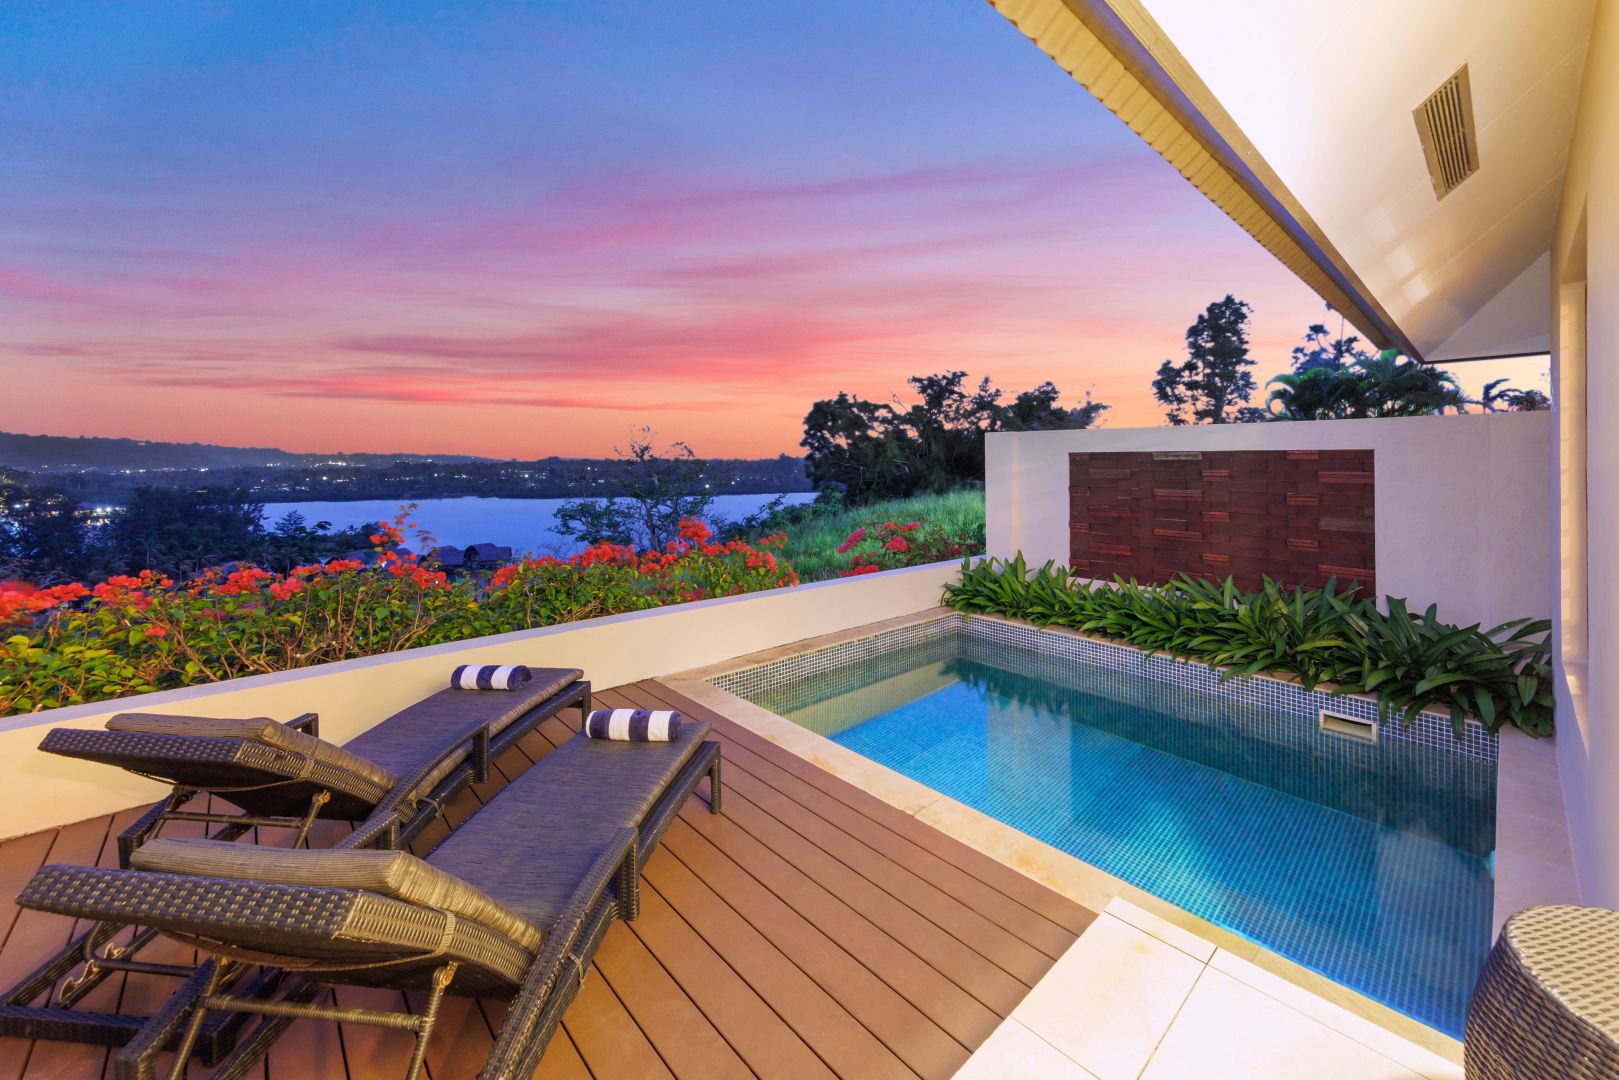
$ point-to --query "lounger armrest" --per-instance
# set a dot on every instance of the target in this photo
(476, 740)
(516, 1052)
(383, 827)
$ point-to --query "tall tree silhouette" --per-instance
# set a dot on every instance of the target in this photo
(1213, 383)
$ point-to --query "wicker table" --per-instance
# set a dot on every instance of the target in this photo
(1547, 1004)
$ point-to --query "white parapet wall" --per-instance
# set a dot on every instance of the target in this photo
(1466, 505)
(42, 791)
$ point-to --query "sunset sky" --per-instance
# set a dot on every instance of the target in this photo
(520, 230)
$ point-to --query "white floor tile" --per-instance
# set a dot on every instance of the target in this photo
(1228, 1030)
(1013, 1051)
(1420, 1059)
(1161, 928)
(1110, 998)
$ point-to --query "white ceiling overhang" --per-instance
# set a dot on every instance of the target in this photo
(1314, 99)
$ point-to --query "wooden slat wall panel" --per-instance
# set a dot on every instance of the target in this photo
(1299, 516)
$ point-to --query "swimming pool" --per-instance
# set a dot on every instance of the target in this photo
(1368, 861)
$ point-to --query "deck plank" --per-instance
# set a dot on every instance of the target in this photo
(809, 931)
(746, 1021)
(992, 940)
(861, 929)
(908, 1032)
(819, 1018)
(688, 1043)
(987, 882)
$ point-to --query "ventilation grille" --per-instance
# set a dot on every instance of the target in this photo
(1445, 126)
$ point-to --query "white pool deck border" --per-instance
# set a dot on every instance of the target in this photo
(1151, 990)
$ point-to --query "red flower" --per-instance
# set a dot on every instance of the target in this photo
(286, 590)
(156, 632)
(897, 544)
(695, 531)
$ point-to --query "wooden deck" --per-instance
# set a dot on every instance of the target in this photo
(808, 931)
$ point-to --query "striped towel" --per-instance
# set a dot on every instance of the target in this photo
(489, 677)
(633, 725)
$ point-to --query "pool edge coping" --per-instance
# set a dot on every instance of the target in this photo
(1057, 870)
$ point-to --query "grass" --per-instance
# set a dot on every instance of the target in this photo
(812, 545)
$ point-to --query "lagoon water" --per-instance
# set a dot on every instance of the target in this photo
(523, 524)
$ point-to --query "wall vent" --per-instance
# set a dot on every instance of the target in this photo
(1354, 727)
(1449, 137)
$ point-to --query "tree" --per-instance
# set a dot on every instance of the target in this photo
(864, 450)
(1318, 351)
(1213, 382)
(1038, 410)
(847, 449)
(658, 491)
(292, 541)
(1372, 386)
(44, 532)
(181, 531)
(1499, 397)
(945, 429)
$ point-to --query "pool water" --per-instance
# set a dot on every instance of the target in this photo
(1367, 862)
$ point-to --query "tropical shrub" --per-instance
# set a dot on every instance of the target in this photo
(816, 530)
(139, 633)
(1369, 386)
(1410, 662)
(891, 545)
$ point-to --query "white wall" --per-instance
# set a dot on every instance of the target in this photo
(42, 790)
(1585, 374)
(1465, 516)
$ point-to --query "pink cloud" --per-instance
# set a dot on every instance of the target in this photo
(719, 297)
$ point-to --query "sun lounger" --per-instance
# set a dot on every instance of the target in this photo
(284, 774)
(512, 905)
(396, 776)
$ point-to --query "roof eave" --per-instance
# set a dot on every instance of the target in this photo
(1118, 52)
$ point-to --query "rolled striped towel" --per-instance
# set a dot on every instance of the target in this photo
(489, 677)
(633, 725)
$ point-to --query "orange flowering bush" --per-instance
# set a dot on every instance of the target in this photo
(891, 545)
(133, 634)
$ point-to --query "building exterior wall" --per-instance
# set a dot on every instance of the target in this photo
(44, 791)
(1585, 373)
(1464, 514)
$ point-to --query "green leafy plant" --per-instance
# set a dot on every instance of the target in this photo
(1410, 662)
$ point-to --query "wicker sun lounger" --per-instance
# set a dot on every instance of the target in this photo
(283, 774)
(397, 776)
(512, 905)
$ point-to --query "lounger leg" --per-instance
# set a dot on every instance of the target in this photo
(320, 799)
(714, 786)
(147, 825)
(182, 1053)
(441, 982)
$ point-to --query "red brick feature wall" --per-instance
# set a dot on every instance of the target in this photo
(1300, 516)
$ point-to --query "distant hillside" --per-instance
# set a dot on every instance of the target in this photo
(46, 453)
